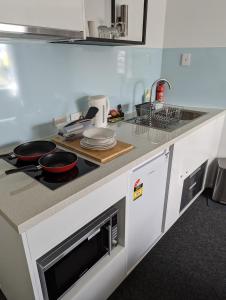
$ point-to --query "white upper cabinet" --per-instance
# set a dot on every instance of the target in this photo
(58, 14)
(118, 21)
(142, 23)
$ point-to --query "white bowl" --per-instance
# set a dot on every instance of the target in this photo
(98, 147)
(99, 133)
(93, 142)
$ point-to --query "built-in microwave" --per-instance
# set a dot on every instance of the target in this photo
(64, 265)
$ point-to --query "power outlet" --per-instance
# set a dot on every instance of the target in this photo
(186, 59)
(59, 120)
(125, 107)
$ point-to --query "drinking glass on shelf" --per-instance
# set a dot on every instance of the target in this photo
(108, 32)
(92, 27)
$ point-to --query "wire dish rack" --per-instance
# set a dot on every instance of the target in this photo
(148, 115)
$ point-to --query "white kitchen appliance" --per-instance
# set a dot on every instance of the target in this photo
(102, 103)
(62, 267)
(146, 205)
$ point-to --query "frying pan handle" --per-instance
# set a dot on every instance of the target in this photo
(10, 155)
(22, 169)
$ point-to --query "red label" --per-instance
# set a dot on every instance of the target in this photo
(136, 183)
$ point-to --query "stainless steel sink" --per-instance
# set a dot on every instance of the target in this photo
(189, 115)
(169, 118)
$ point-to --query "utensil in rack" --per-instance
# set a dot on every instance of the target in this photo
(75, 129)
(148, 116)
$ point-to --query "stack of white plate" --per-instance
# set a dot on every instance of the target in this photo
(98, 139)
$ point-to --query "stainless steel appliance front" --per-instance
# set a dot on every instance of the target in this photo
(64, 265)
(193, 185)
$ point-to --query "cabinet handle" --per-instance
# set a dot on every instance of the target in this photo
(93, 234)
(151, 172)
(167, 154)
(192, 186)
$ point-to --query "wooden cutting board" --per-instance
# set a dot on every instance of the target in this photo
(101, 156)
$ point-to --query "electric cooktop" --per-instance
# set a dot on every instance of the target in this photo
(51, 180)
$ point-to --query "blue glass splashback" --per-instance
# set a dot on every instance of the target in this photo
(41, 81)
(201, 84)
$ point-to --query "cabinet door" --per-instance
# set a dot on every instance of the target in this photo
(67, 14)
(145, 207)
(189, 153)
(197, 147)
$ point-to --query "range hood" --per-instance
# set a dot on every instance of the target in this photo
(39, 33)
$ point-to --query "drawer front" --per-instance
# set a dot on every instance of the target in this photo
(192, 185)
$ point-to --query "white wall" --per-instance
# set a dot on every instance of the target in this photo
(156, 23)
(195, 23)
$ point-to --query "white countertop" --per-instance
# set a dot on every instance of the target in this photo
(25, 202)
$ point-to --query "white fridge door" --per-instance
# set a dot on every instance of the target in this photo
(146, 204)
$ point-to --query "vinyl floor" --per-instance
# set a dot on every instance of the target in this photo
(188, 263)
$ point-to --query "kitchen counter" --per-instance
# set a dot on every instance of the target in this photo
(24, 202)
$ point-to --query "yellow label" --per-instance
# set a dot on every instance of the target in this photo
(138, 192)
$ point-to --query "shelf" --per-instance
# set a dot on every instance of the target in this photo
(104, 42)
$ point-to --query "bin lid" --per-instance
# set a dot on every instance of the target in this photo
(222, 163)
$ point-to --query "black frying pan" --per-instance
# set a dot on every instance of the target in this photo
(31, 151)
(56, 162)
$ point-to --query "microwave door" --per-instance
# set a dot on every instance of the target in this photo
(68, 262)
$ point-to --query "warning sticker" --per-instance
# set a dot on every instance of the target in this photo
(138, 190)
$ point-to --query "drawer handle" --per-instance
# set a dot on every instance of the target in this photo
(93, 234)
(151, 172)
(192, 186)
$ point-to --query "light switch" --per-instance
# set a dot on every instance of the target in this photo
(186, 59)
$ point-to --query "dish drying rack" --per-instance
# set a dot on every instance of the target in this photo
(149, 115)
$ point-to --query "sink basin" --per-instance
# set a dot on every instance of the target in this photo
(168, 118)
(189, 115)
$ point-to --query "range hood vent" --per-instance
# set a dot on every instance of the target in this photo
(39, 33)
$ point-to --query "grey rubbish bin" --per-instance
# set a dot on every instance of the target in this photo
(219, 192)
